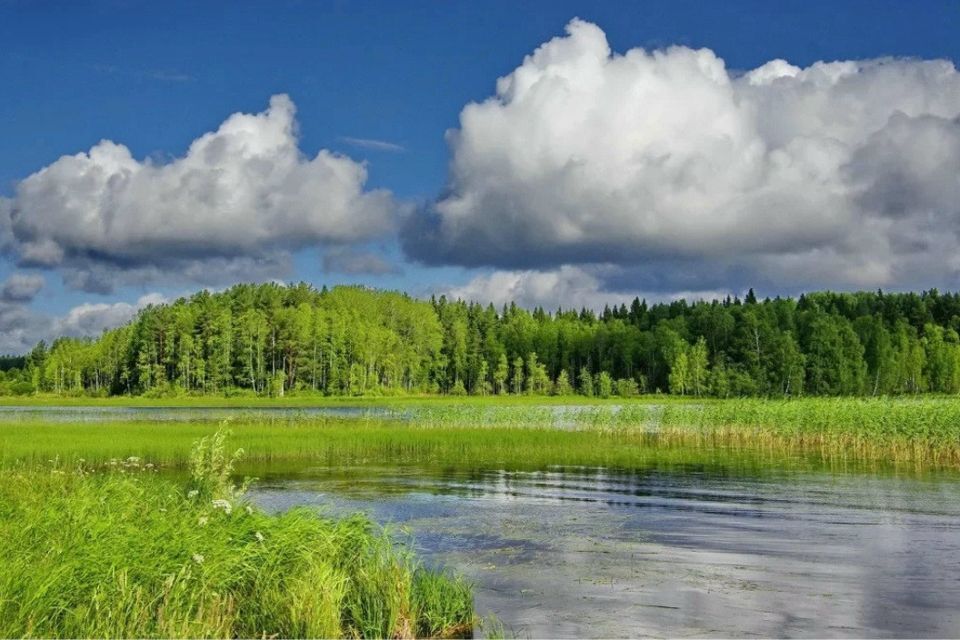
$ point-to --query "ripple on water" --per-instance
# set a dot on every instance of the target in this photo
(590, 552)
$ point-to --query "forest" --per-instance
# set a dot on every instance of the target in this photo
(274, 340)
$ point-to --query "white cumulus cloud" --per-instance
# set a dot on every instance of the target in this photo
(91, 319)
(242, 198)
(568, 287)
(839, 174)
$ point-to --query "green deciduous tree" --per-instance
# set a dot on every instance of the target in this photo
(585, 382)
(562, 386)
(680, 374)
(354, 340)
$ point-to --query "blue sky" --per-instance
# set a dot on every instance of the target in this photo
(156, 76)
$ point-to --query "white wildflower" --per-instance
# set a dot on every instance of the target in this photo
(193, 493)
(249, 510)
(258, 536)
(198, 558)
(203, 521)
(223, 504)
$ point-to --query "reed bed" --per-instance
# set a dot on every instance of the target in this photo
(919, 432)
(626, 438)
(331, 443)
(98, 543)
(902, 431)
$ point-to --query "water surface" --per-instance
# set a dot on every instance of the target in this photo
(673, 552)
(48, 413)
(736, 545)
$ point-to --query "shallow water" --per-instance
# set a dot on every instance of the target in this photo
(684, 552)
(563, 416)
(173, 414)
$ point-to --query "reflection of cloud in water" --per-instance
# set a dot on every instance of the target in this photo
(586, 552)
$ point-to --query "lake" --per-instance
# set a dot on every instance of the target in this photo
(723, 544)
(687, 551)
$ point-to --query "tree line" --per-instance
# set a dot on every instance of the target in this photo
(271, 339)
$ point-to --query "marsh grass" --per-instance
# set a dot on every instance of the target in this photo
(923, 432)
(296, 447)
(98, 543)
(292, 445)
(122, 551)
(920, 434)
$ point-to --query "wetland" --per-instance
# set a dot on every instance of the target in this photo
(737, 518)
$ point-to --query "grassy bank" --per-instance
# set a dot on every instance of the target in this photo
(125, 552)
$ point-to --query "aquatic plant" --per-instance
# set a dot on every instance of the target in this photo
(122, 551)
(906, 433)
(915, 431)
(921, 432)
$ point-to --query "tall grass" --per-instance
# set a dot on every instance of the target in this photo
(330, 443)
(293, 446)
(916, 434)
(125, 552)
(922, 432)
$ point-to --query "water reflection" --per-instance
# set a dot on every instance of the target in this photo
(591, 552)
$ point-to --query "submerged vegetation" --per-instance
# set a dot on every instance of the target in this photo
(271, 340)
(122, 551)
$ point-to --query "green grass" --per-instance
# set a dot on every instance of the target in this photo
(97, 544)
(328, 442)
(922, 431)
(921, 434)
(127, 552)
(901, 431)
